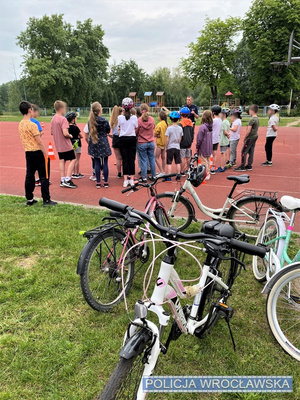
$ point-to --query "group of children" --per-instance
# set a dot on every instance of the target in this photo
(133, 132)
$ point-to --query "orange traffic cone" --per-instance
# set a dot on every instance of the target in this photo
(42, 124)
(211, 162)
(51, 154)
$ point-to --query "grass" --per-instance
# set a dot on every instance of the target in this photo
(262, 120)
(53, 346)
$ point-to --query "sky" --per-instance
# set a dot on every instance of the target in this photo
(153, 32)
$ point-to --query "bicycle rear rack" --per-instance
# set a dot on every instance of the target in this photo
(250, 193)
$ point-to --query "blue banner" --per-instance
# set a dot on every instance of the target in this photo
(211, 384)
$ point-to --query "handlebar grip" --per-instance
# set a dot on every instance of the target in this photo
(248, 248)
(113, 205)
(127, 189)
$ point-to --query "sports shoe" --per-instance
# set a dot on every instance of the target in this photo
(151, 178)
(49, 203)
(141, 180)
(98, 185)
(93, 178)
(105, 184)
(182, 173)
(220, 169)
(31, 202)
(61, 184)
(69, 184)
(125, 184)
(241, 168)
(159, 174)
(75, 176)
(267, 164)
(248, 167)
(212, 171)
(233, 164)
(79, 176)
(119, 175)
(131, 182)
(37, 182)
(207, 178)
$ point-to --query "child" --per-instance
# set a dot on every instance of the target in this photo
(36, 156)
(217, 124)
(98, 146)
(187, 139)
(224, 139)
(127, 139)
(271, 133)
(250, 140)
(115, 138)
(174, 135)
(145, 142)
(35, 114)
(74, 131)
(234, 138)
(160, 134)
(60, 132)
(204, 141)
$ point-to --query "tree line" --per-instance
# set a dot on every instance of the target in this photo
(71, 62)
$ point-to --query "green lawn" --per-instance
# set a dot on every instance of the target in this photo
(53, 346)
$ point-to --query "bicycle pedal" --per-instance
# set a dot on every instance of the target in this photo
(224, 310)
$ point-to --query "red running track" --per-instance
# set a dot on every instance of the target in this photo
(282, 177)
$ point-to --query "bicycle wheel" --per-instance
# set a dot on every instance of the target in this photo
(100, 279)
(283, 310)
(268, 232)
(248, 214)
(182, 215)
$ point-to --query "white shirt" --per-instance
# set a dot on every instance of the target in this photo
(127, 127)
(217, 126)
(236, 135)
(272, 121)
(86, 129)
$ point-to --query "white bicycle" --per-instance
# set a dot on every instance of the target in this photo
(143, 340)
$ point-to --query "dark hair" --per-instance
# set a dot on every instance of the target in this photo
(127, 113)
(24, 107)
(254, 108)
(174, 119)
(207, 117)
(163, 117)
(138, 112)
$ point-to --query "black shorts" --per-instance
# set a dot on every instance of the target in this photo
(67, 155)
(215, 146)
(115, 142)
(173, 154)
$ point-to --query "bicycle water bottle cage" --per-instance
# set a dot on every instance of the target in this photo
(218, 228)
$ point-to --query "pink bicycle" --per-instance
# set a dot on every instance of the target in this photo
(101, 259)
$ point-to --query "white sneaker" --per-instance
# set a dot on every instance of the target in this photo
(93, 178)
(131, 182)
(207, 178)
(125, 184)
(159, 175)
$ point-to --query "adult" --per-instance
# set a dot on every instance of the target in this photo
(193, 110)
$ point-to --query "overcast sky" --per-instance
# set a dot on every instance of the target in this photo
(153, 32)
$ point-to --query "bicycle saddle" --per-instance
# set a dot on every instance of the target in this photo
(290, 203)
(240, 180)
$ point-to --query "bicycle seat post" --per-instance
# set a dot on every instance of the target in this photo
(232, 190)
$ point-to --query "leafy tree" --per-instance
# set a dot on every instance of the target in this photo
(210, 57)
(14, 96)
(62, 61)
(4, 88)
(241, 71)
(267, 28)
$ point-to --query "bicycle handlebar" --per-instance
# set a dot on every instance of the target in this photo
(247, 248)
(136, 185)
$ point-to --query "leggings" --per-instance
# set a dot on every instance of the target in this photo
(128, 153)
(269, 147)
(101, 164)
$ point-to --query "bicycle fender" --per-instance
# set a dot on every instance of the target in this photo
(187, 200)
(269, 285)
(136, 344)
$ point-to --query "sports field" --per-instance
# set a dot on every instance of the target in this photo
(283, 177)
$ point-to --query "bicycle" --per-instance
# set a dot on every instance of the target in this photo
(244, 211)
(143, 340)
(102, 257)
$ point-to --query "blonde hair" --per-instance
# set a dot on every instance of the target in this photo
(144, 110)
(207, 117)
(59, 104)
(96, 110)
(114, 116)
(133, 111)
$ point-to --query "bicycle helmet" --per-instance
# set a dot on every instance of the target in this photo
(185, 111)
(225, 111)
(216, 109)
(70, 116)
(198, 175)
(127, 103)
(174, 115)
(237, 112)
(274, 107)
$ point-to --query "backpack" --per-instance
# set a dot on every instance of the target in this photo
(188, 137)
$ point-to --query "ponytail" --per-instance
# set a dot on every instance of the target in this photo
(96, 110)
(127, 114)
(144, 111)
(163, 117)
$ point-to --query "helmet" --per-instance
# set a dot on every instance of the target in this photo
(185, 111)
(175, 115)
(216, 109)
(225, 111)
(71, 115)
(127, 103)
(198, 175)
(274, 107)
(237, 112)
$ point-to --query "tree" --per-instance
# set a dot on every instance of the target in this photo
(267, 28)
(14, 96)
(210, 57)
(241, 71)
(4, 88)
(63, 62)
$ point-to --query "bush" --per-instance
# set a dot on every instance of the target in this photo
(295, 112)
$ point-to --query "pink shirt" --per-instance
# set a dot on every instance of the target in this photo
(145, 130)
(62, 143)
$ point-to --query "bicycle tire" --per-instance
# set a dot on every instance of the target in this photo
(260, 205)
(109, 271)
(181, 222)
(284, 278)
(260, 265)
